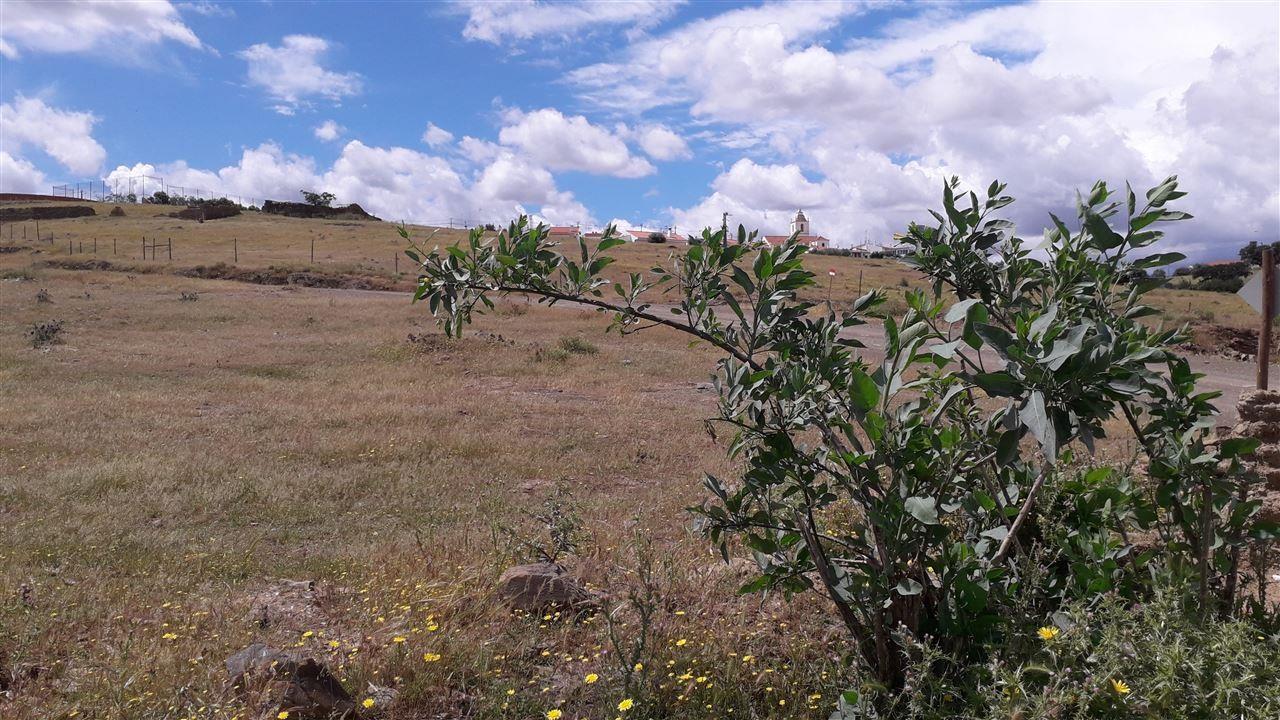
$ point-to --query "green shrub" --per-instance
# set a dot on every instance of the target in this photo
(934, 498)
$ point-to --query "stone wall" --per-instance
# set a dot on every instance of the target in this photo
(1260, 418)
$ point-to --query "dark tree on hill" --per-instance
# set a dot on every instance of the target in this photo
(324, 199)
(1252, 253)
(160, 198)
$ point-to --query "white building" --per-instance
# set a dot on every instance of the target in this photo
(800, 228)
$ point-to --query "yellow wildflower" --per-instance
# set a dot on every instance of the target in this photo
(430, 657)
(1047, 633)
(626, 704)
(590, 678)
(554, 714)
(284, 714)
(368, 703)
(1120, 687)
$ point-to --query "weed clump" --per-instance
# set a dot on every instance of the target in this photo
(44, 334)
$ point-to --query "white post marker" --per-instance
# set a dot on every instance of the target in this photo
(1262, 292)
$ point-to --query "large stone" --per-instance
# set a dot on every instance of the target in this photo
(539, 586)
(278, 680)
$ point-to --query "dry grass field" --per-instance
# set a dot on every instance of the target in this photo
(254, 240)
(191, 454)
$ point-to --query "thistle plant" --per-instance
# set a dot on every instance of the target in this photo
(910, 486)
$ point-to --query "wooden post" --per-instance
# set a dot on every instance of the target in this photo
(396, 261)
(37, 229)
(70, 251)
(1268, 317)
(171, 249)
(235, 249)
(113, 246)
(859, 283)
(313, 251)
(144, 248)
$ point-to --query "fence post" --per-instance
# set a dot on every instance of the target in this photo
(397, 262)
(313, 251)
(144, 248)
(69, 250)
(170, 249)
(235, 248)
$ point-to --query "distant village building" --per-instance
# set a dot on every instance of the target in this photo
(895, 249)
(564, 232)
(800, 228)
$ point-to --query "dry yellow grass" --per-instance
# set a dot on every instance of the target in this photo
(375, 248)
(167, 461)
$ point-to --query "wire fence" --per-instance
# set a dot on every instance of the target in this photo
(146, 189)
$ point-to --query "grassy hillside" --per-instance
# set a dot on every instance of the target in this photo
(256, 240)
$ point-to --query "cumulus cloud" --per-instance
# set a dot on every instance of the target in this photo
(19, 176)
(392, 182)
(661, 143)
(292, 74)
(571, 143)
(65, 135)
(1046, 96)
(117, 26)
(329, 131)
(435, 136)
(497, 21)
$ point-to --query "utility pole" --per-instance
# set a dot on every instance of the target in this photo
(724, 227)
(1261, 292)
(1268, 317)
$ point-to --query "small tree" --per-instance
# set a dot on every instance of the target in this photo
(324, 199)
(160, 198)
(911, 489)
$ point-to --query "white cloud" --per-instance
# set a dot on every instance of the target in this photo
(329, 131)
(661, 143)
(394, 183)
(291, 73)
(65, 135)
(118, 27)
(497, 21)
(435, 136)
(660, 70)
(19, 176)
(207, 9)
(1046, 96)
(571, 143)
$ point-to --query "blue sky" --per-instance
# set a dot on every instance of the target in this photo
(651, 113)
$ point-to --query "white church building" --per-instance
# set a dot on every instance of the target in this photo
(800, 228)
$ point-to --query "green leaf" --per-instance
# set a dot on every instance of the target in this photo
(998, 384)
(1104, 238)
(960, 310)
(863, 391)
(924, 509)
(908, 587)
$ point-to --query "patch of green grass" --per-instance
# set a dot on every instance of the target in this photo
(272, 372)
(577, 346)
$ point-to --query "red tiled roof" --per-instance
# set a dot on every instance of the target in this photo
(563, 230)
